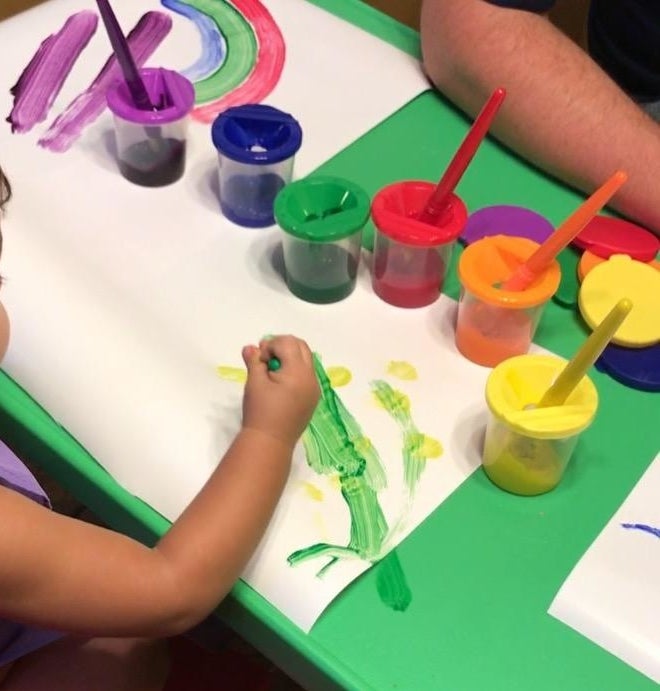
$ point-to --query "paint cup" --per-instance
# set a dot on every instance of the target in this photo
(527, 449)
(411, 257)
(151, 144)
(256, 147)
(322, 220)
(495, 324)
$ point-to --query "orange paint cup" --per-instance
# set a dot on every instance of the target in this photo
(495, 324)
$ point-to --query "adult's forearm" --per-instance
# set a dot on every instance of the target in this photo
(562, 112)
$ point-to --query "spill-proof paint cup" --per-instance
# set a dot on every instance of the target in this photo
(322, 219)
(495, 324)
(256, 147)
(410, 258)
(151, 144)
(527, 449)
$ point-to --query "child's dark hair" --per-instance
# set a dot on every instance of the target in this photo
(5, 194)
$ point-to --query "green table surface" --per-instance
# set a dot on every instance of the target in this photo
(485, 566)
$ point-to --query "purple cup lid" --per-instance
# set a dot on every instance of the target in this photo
(638, 368)
(171, 93)
(506, 220)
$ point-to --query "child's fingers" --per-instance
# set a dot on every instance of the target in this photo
(252, 359)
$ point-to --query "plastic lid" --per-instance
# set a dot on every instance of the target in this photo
(395, 209)
(569, 286)
(605, 236)
(489, 261)
(589, 260)
(521, 381)
(638, 368)
(506, 220)
(171, 93)
(617, 278)
(256, 134)
(322, 209)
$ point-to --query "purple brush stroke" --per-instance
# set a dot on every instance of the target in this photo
(641, 526)
(143, 40)
(42, 79)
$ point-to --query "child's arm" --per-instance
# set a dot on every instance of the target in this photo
(62, 573)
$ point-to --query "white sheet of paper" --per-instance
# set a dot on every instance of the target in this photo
(612, 596)
(124, 301)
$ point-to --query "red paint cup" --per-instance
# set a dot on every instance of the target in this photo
(410, 257)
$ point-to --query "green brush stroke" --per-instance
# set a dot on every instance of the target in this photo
(414, 458)
(330, 444)
(241, 49)
(391, 583)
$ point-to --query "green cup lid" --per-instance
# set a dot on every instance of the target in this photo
(322, 208)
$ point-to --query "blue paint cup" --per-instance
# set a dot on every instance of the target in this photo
(256, 147)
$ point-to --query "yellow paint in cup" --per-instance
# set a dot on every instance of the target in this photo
(527, 449)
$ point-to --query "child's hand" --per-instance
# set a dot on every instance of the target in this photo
(280, 403)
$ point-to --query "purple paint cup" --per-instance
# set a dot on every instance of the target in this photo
(151, 144)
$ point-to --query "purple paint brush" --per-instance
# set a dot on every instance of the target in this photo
(124, 57)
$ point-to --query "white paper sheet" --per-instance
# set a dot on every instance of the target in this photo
(124, 300)
(612, 596)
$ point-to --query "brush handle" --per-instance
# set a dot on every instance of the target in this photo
(590, 351)
(124, 57)
(438, 201)
(567, 231)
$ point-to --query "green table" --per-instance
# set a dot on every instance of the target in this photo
(485, 566)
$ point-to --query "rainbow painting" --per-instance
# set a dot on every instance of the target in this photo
(242, 57)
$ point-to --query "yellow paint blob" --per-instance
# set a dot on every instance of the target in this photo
(363, 445)
(312, 491)
(402, 370)
(339, 376)
(335, 482)
(431, 448)
(237, 374)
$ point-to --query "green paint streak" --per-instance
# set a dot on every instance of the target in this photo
(330, 444)
(241, 50)
(397, 405)
(392, 585)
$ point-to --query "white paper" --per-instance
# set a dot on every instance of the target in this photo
(124, 301)
(612, 596)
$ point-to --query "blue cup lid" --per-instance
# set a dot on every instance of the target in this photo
(256, 134)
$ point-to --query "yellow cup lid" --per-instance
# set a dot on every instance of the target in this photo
(518, 384)
(617, 278)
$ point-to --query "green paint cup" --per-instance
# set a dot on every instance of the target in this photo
(321, 219)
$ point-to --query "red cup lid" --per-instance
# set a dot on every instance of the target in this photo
(395, 210)
(605, 236)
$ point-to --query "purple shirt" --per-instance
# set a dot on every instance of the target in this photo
(17, 640)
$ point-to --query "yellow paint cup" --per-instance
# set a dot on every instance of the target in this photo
(527, 449)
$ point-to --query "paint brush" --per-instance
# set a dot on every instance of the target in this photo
(525, 274)
(124, 57)
(436, 206)
(590, 351)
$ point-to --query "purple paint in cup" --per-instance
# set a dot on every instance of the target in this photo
(151, 144)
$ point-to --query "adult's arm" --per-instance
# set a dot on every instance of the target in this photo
(562, 112)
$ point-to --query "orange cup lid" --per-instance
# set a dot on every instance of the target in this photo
(490, 261)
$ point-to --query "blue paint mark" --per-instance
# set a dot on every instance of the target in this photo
(214, 46)
(643, 528)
